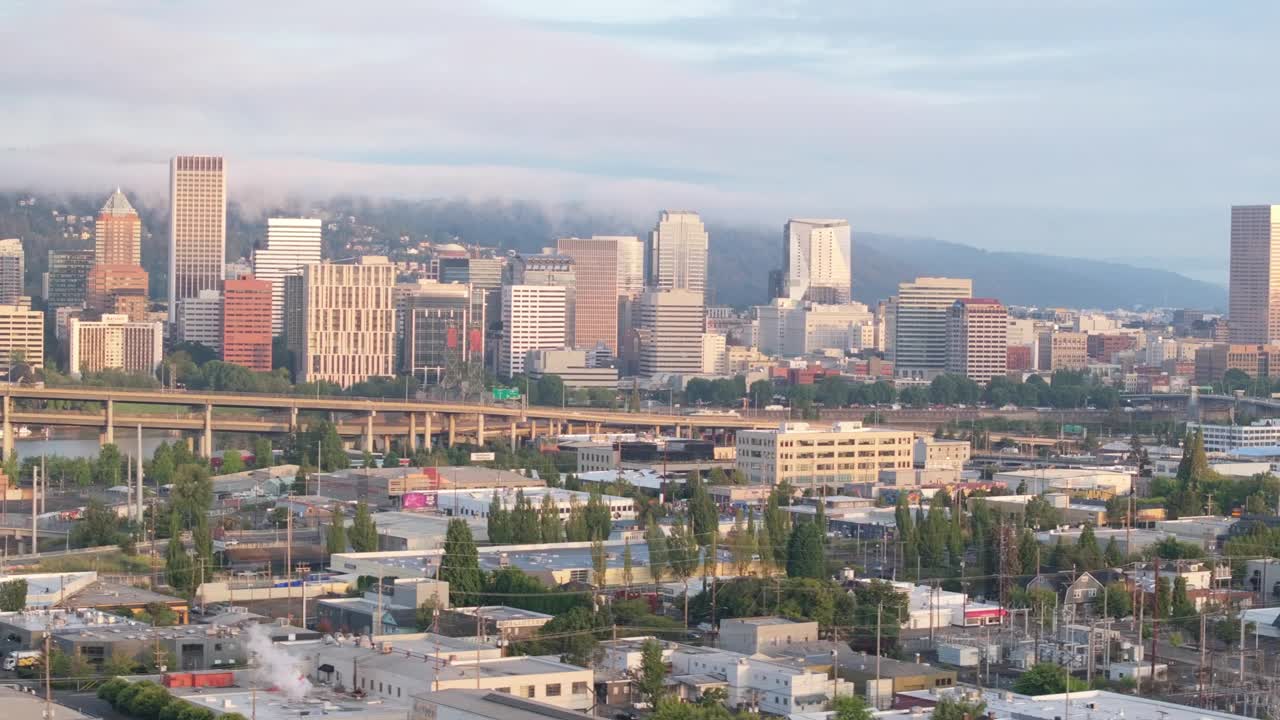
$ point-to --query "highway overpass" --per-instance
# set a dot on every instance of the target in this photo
(367, 417)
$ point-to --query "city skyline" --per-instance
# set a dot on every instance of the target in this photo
(900, 115)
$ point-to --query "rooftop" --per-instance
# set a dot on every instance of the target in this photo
(108, 594)
(553, 557)
(25, 706)
(500, 706)
(1097, 704)
(502, 612)
(766, 620)
(58, 620)
(272, 705)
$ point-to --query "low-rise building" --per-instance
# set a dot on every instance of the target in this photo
(764, 634)
(571, 367)
(476, 503)
(1080, 482)
(770, 686)
(1229, 438)
(895, 677)
(473, 704)
(805, 455)
(932, 454)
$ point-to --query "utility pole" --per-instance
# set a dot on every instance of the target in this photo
(1155, 622)
(48, 686)
(1200, 677)
(1242, 649)
(35, 509)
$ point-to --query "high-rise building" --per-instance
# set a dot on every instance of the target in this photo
(246, 323)
(1254, 290)
(113, 288)
(595, 311)
(292, 243)
(113, 343)
(200, 320)
(977, 339)
(533, 318)
(630, 263)
(340, 321)
(678, 253)
(670, 324)
(12, 269)
(549, 268)
(790, 327)
(66, 283)
(919, 323)
(21, 338)
(816, 256)
(443, 329)
(117, 233)
(197, 226)
(1062, 350)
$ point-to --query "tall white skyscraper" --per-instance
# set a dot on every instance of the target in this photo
(533, 318)
(1254, 288)
(816, 258)
(197, 226)
(13, 261)
(292, 243)
(671, 324)
(678, 253)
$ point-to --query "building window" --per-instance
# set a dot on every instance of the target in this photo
(529, 691)
(553, 690)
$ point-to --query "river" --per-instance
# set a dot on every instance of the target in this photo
(76, 443)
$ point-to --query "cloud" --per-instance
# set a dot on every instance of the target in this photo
(999, 123)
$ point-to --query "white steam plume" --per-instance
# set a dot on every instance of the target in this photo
(275, 666)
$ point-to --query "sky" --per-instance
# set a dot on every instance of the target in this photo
(1117, 130)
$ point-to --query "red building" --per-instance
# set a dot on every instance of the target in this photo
(246, 323)
(1018, 357)
(1104, 347)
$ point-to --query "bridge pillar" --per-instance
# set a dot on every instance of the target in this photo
(8, 431)
(413, 433)
(293, 419)
(426, 431)
(480, 429)
(109, 432)
(206, 442)
(368, 431)
(513, 435)
(595, 429)
(453, 429)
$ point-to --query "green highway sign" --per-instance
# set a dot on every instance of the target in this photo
(505, 393)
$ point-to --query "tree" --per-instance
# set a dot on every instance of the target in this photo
(425, 616)
(1164, 599)
(702, 511)
(192, 493)
(599, 522)
(232, 462)
(682, 558)
(877, 605)
(953, 709)
(13, 596)
(335, 539)
(656, 540)
(499, 521)
(202, 543)
(525, 528)
(391, 459)
(364, 532)
(853, 707)
(549, 520)
(460, 565)
(1117, 602)
(777, 528)
(1046, 679)
(107, 471)
(805, 556)
(177, 564)
(742, 544)
(599, 563)
(653, 672)
(1088, 554)
(1113, 557)
(100, 526)
(627, 563)
(262, 453)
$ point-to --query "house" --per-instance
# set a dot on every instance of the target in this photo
(764, 634)
(1084, 594)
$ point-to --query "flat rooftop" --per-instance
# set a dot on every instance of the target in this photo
(500, 706)
(558, 556)
(272, 705)
(108, 594)
(1098, 704)
(59, 620)
(765, 620)
(889, 668)
(502, 612)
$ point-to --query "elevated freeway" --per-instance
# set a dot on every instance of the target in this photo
(367, 417)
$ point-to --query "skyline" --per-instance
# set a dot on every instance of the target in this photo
(896, 116)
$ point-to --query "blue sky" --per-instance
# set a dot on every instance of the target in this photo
(1115, 130)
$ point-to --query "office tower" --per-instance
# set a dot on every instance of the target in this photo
(713, 355)
(678, 253)
(117, 233)
(114, 343)
(200, 320)
(533, 318)
(549, 269)
(21, 338)
(630, 263)
(919, 327)
(978, 339)
(1063, 350)
(595, 302)
(292, 243)
(246, 323)
(118, 289)
(12, 267)
(67, 281)
(340, 321)
(197, 226)
(792, 328)
(1254, 290)
(443, 330)
(670, 324)
(816, 256)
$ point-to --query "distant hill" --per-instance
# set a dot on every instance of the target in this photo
(741, 257)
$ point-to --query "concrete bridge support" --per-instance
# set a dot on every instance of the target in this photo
(413, 433)
(426, 431)
(293, 419)
(368, 431)
(206, 444)
(453, 429)
(108, 432)
(480, 429)
(8, 430)
(513, 437)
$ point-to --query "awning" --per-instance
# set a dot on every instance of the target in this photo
(325, 668)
